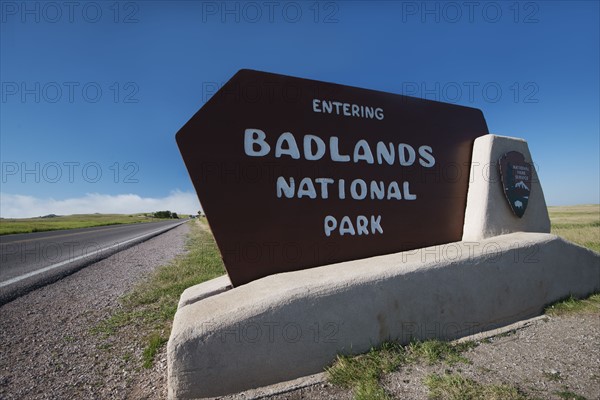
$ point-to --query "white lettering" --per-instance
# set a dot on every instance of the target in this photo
(394, 191)
(376, 224)
(362, 152)
(337, 105)
(308, 141)
(316, 103)
(342, 189)
(330, 224)
(426, 156)
(363, 189)
(255, 137)
(361, 225)
(407, 194)
(359, 189)
(377, 190)
(306, 188)
(406, 154)
(291, 149)
(346, 227)
(385, 153)
(335, 151)
(284, 188)
(324, 182)
(347, 109)
(315, 148)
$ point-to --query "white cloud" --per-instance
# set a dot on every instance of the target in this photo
(20, 206)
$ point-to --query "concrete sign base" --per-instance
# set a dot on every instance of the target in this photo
(488, 214)
(293, 324)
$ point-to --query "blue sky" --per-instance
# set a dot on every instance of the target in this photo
(94, 92)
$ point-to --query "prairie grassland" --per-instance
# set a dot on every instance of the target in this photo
(28, 225)
(578, 224)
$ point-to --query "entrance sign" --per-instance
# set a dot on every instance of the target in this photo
(294, 173)
(515, 174)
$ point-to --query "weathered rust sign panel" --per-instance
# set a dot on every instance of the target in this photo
(515, 174)
(294, 173)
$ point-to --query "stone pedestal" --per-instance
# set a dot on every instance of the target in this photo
(488, 213)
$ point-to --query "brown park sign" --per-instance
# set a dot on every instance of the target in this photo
(294, 173)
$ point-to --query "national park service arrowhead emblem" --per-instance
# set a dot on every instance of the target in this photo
(515, 174)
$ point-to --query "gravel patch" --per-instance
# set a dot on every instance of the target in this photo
(47, 349)
(552, 355)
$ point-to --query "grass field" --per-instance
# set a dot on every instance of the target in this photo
(28, 225)
(578, 224)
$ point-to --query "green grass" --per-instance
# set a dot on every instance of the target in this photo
(28, 225)
(457, 387)
(155, 342)
(568, 395)
(362, 373)
(434, 351)
(151, 305)
(578, 224)
(572, 305)
(553, 376)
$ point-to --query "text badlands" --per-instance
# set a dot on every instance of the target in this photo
(314, 148)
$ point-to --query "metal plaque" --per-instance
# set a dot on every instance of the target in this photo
(515, 174)
(294, 173)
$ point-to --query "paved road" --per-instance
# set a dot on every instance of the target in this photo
(32, 259)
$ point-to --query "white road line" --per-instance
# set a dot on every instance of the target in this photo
(60, 264)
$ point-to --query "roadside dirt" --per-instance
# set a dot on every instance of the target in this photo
(551, 356)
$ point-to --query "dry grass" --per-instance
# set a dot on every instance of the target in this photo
(578, 224)
(363, 373)
(28, 225)
(571, 305)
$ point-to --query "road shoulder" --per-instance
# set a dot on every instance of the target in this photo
(48, 347)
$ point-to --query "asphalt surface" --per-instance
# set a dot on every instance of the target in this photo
(30, 260)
